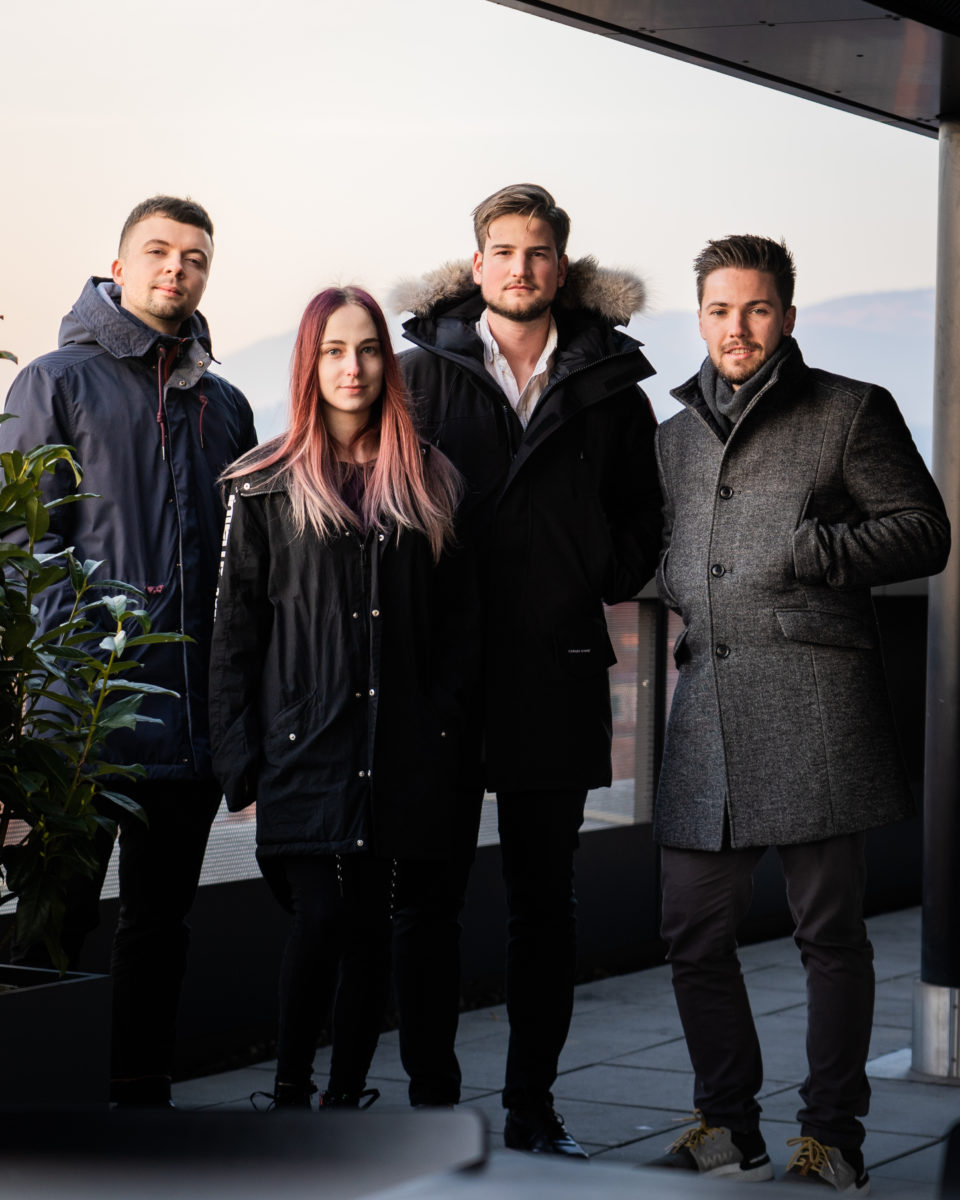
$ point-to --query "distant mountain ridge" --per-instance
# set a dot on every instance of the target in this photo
(883, 337)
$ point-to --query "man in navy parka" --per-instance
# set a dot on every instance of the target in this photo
(129, 388)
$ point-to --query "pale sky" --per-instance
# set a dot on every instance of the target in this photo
(338, 141)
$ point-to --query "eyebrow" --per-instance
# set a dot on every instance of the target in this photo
(166, 246)
(342, 342)
(730, 304)
(513, 246)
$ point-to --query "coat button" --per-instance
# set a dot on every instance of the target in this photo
(358, 695)
(362, 774)
(359, 842)
(182, 382)
(717, 570)
(723, 651)
(355, 615)
(443, 733)
(375, 613)
(372, 692)
(726, 492)
(293, 737)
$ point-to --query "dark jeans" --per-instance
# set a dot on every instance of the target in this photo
(538, 838)
(705, 897)
(337, 956)
(159, 872)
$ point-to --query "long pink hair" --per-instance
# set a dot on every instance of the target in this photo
(401, 488)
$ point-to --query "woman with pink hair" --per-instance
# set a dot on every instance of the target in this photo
(344, 692)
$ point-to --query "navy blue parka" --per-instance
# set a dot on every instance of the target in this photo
(152, 429)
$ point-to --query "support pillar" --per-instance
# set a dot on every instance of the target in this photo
(936, 1009)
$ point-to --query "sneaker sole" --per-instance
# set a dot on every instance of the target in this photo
(756, 1174)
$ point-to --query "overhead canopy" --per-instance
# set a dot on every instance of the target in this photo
(899, 63)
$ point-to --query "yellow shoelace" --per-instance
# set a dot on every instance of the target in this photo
(693, 1137)
(810, 1155)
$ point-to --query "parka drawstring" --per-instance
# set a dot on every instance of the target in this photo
(203, 405)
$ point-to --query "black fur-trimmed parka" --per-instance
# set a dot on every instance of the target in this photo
(566, 512)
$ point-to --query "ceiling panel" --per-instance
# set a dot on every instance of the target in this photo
(897, 65)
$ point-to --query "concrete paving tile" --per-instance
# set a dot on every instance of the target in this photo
(923, 1165)
(230, 1087)
(606, 1041)
(665, 1056)
(636, 1086)
(908, 1106)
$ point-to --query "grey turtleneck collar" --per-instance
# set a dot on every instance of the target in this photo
(727, 405)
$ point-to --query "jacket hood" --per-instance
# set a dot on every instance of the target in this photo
(97, 317)
(614, 295)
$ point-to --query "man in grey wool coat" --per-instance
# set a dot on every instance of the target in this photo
(788, 493)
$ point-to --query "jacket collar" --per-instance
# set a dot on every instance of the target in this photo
(97, 317)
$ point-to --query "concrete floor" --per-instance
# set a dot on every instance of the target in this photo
(626, 1085)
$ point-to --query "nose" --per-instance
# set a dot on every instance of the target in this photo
(518, 266)
(174, 264)
(352, 363)
(736, 326)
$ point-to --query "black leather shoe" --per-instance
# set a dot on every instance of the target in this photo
(540, 1131)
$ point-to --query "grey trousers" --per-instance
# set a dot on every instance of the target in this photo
(705, 897)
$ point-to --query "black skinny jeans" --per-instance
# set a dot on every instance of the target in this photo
(337, 956)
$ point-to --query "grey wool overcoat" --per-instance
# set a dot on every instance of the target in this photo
(773, 539)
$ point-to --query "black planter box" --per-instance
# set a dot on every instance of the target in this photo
(54, 1039)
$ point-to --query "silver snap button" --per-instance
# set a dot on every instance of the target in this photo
(372, 692)
(293, 737)
(375, 613)
(359, 841)
(362, 774)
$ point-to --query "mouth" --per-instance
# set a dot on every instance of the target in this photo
(740, 351)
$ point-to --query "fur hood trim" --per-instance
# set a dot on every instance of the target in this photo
(614, 294)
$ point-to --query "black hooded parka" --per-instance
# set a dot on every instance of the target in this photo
(344, 685)
(566, 512)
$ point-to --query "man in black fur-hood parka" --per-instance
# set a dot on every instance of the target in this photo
(523, 381)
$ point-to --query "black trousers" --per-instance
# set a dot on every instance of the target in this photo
(336, 963)
(705, 897)
(159, 872)
(539, 834)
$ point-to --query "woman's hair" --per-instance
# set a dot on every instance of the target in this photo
(413, 490)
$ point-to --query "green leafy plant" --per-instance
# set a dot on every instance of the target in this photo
(63, 691)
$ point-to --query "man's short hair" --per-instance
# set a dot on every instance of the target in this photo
(523, 200)
(748, 252)
(187, 212)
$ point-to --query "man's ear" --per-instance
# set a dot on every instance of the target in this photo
(789, 320)
(562, 271)
(477, 267)
(116, 270)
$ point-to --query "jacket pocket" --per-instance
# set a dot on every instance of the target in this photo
(826, 628)
(681, 651)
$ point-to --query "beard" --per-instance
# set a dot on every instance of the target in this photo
(534, 308)
(738, 373)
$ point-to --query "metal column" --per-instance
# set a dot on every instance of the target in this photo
(936, 1008)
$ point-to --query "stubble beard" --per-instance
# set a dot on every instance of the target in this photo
(533, 311)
